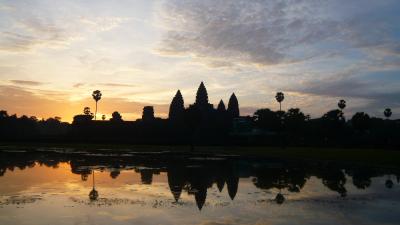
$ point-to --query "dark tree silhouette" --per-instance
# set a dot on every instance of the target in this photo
(96, 96)
(279, 98)
(294, 120)
(103, 117)
(3, 114)
(334, 116)
(267, 119)
(177, 108)
(333, 124)
(116, 117)
(342, 104)
(361, 121)
(86, 111)
(233, 106)
(387, 113)
(82, 119)
(221, 106)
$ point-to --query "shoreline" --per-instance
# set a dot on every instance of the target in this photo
(378, 157)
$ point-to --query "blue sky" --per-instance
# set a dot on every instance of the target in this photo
(53, 54)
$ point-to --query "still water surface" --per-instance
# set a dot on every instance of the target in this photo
(57, 187)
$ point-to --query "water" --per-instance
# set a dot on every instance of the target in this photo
(53, 187)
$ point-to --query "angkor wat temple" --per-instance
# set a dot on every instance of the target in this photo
(202, 106)
(201, 123)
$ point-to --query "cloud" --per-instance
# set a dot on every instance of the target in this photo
(273, 32)
(121, 85)
(27, 82)
(78, 85)
(27, 33)
(103, 23)
(117, 85)
(26, 30)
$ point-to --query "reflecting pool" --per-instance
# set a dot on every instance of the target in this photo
(58, 186)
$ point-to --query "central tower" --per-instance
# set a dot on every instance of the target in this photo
(201, 95)
(202, 98)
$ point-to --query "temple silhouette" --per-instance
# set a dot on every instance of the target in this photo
(202, 123)
(202, 107)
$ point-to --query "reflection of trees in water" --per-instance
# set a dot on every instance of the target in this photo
(279, 198)
(334, 179)
(22, 160)
(2, 171)
(146, 176)
(196, 176)
(292, 179)
(114, 173)
(389, 183)
(362, 177)
(93, 194)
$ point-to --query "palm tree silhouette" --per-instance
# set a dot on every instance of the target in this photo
(387, 113)
(279, 97)
(96, 96)
(342, 104)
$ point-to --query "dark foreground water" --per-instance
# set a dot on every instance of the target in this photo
(60, 187)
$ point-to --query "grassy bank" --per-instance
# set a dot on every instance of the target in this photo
(364, 156)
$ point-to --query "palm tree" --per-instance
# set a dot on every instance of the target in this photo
(279, 97)
(96, 96)
(387, 113)
(342, 104)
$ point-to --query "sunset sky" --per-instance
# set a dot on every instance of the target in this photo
(53, 54)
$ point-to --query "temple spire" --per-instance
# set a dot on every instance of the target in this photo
(233, 106)
(177, 107)
(201, 95)
(221, 106)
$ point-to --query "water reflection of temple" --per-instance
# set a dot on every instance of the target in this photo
(196, 175)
